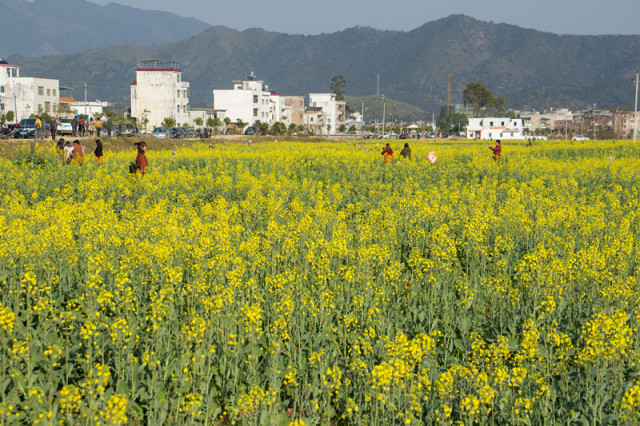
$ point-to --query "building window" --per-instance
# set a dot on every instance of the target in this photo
(255, 112)
(502, 124)
(255, 99)
(40, 90)
(54, 92)
(1, 107)
(47, 107)
(491, 123)
(178, 108)
(1, 89)
(178, 78)
(48, 92)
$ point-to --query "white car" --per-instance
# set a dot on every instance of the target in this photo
(64, 127)
(580, 138)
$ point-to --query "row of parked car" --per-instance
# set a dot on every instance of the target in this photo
(26, 128)
(163, 132)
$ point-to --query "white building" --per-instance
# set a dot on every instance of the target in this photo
(158, 93)
(495, 128)
(249, 100)
(26, 95)
(334, 111)
(90, 108)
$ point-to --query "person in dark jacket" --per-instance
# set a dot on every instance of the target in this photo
(406, 151)
(497, 151)
(53, 127)
(98, 151)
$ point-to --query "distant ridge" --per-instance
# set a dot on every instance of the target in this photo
(53, 27)
(532, 69)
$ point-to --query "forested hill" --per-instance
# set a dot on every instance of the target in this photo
(531, 68)
(53, 27)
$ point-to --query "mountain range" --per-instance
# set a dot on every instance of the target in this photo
(54, 27)
(532, 69)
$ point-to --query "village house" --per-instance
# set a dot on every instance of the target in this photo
(247, 102)
(495, 128)
(158, 93)
(334, 111)
(623, 124)
(26, 95)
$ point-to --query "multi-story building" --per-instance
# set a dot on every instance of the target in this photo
(623, 124)
(315, 120)
(248, 101)
(334, 111)
(26, 95)
(294, 106)
(158, 93)
(495, 128)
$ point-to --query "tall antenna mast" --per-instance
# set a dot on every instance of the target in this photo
(378, 85)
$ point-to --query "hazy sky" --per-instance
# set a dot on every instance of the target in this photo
(318, 16)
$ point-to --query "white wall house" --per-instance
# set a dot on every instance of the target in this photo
(495, 128)
(314, 120)
(249, 100)
(334, 111)
(90, 108)
(158, 93)
(26, 95)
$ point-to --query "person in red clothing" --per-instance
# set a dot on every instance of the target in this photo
(387, 152)
(497, 151)
(141, 160)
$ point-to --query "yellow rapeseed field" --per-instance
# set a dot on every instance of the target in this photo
(293, 283)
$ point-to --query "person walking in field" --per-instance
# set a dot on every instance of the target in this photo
(406, 151)
(497, 150)
(98, 151)
(141, 159)
(91, 127)
(77, 155)
(387, 153)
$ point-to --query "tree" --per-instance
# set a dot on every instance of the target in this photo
(279, 128)
(456, 122)
(227, 121)
(338, 83)
(199, 121)
(353, 128)
(169, 122)
(479, 98)
(216, 123)
(292, 127)
(10, 115)
(342, 128)
(145, 119)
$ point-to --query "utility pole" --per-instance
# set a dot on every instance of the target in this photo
(635, 112)
(364, 123)
(85, 101)
(378, 85)
(384, 112)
